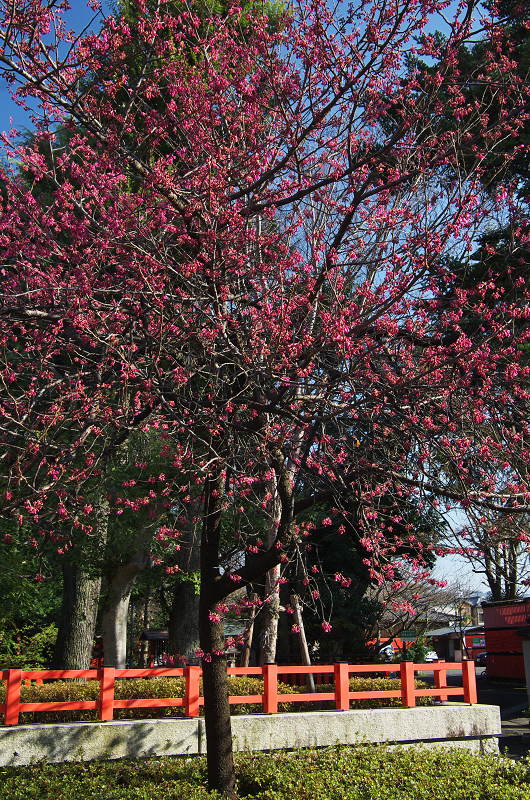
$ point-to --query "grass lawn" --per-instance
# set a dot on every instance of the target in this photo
(341, 773)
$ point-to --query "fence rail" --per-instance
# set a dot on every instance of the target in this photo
(192, 700)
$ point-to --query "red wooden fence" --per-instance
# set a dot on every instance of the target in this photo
(192, 700)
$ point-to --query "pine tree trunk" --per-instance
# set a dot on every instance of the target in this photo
(184, 623)
(73, 648)
(115, 613)
(81, 590)
(302, 641)
(144, 649)
(184, 617)
(120, 585)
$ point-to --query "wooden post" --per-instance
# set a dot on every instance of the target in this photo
(342, 686)
(440, 682)
(469, 681)
(106, 693)
(245, 652)
(304, 650)
(270, 688)
(14, 680)
(192, 691)
(408, 698)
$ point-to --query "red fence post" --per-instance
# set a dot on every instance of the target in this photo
(469, 681)
(270, 688)
(192, 691)
(106, 693)
(342, 686)
(14, 679)
(440, 682)
(408, 697)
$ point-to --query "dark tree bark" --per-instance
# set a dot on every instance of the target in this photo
(81, 589)
(220, 757)
(73, 648)
(184, 618)
(144, 648)
(184, 638)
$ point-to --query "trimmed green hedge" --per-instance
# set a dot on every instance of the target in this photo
(339, 773)
(129, 688)
(378, 685)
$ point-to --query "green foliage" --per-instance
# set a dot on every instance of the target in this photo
(29, 606)
(371, 772)
(245, 685)
(374, 685)
(337, 550)
(26, 649)
(339, 773)
(417, 651)
(353, 615)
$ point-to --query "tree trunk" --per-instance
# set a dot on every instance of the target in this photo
(219, 749)
(184, 617)
(302, 641)
(492, 575)
(271, 613)
(81, 589)
(249, 632)
(121, 580)
(184, 623)
(115, 613)
(144, 649)
(512, 553)
(73, 648)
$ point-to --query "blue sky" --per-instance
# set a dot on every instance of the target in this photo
(77, 18)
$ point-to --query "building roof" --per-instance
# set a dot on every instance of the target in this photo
(154, 634)
(447, 631)
(515, 601)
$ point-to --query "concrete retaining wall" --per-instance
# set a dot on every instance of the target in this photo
(474, 727)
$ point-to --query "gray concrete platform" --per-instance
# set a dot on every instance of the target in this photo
(476, 728)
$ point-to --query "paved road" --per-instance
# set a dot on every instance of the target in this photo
(512, 699)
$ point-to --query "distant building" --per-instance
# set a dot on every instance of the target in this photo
(503, 621)
(455, 643)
